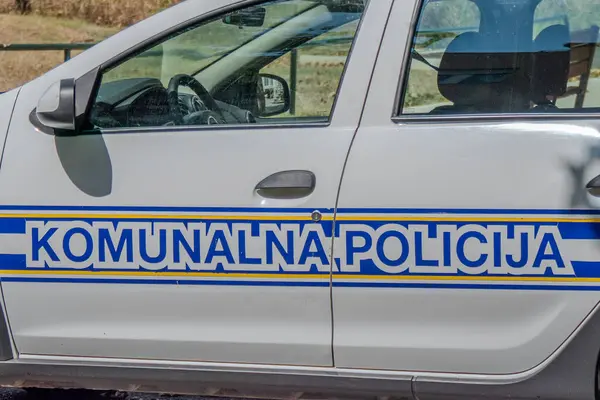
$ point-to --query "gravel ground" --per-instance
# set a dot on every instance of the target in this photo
(17, 394)
(12, 394)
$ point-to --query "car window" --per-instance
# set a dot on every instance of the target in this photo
(313, 71)
(235, 69)
(439, 24)
(517, 56)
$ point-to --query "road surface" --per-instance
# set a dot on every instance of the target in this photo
(18, 394)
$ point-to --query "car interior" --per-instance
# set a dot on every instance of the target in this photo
(503, 68)
(230, 89)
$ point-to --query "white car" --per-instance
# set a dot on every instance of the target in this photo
(384, 198)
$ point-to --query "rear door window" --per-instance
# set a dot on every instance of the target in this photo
(582, 17)
(439, 24)
(500, 57)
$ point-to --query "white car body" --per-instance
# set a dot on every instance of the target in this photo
(428, 328)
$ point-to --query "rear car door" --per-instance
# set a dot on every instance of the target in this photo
(173, 231)
(466, 239)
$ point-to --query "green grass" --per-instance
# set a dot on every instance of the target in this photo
(316, 86)
(422, 89)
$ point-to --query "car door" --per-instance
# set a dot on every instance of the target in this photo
(466, 238)
(163, 236)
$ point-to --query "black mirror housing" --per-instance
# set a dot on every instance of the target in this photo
(64, 106)
(251, 17)
(56, 107)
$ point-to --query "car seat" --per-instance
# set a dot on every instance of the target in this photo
(550, 65)
(479, 74)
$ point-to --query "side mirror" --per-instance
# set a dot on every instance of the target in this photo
(273, 95)
(56, 107)
(249, 17)
(63, 107)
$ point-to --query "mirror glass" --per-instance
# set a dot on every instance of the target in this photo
(273, 95)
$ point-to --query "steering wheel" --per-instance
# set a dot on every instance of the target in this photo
(212, 116)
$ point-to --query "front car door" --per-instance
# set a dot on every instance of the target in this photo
(467, 241)
(191, 221)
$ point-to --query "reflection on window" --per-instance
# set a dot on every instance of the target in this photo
(194, 49)
(280, 59)
(319, 65)
(504, 57)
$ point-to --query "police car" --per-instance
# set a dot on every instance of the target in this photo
(284, 198)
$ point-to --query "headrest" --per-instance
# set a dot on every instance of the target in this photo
(551, 62)
(456, 58)
(480, 72)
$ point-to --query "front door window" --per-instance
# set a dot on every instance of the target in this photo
(277, 60)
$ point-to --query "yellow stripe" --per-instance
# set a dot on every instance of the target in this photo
(466, 219)
(464, 278)
(160, 217)
(246, 217)
(134, 274)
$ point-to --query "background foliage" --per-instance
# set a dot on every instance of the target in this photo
(103, 12)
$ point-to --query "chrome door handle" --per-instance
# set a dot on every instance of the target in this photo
(287, 185)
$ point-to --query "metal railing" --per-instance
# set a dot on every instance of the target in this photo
(67, 48)
(431, 37)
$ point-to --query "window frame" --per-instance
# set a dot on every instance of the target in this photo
(398, 117)
(177, 30)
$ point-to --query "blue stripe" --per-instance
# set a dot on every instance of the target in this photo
(165, 209)
(416, 220)
(568, 230)
(390, 285)
(13, 262)
(579, 230)
(12, 226)
(230, 221)
(586, 269)
(468, 211)
(464, 286)
(168, 282)
(17, 262)
(304, 210)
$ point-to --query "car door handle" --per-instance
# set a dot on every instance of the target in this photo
(593, 187)
(288, 185)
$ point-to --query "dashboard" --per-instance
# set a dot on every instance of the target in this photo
(144, 102)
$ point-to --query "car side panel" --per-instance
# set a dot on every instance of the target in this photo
(462, 174)
(278, 323)
(7, 104)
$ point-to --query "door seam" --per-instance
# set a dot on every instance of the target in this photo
(4, 306)
(337, 199)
